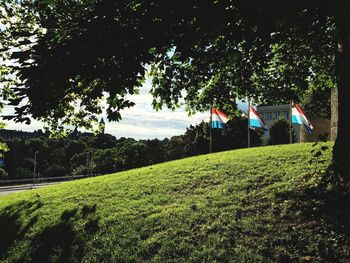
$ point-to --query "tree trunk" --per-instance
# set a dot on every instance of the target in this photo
(334, 113)
(341, 159)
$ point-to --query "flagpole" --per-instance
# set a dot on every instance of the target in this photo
(210, 131)
(248, 126)
(290, 121)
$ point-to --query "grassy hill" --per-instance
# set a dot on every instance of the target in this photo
(251, 205)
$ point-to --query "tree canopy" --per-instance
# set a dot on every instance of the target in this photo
(72, 53)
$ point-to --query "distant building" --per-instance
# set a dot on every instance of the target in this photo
(102, 126)
(270, 114)
(23, 135)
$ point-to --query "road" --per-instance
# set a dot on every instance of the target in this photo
(6, 190)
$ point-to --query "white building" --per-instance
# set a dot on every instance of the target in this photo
(271, 114)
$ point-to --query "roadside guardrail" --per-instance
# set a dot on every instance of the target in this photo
(43, 180)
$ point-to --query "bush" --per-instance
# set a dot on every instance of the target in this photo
(279, 133)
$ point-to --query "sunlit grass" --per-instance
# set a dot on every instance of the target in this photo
(250, 205)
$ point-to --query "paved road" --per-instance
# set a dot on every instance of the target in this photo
(6, 190)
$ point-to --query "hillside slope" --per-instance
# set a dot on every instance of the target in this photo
(251, 205)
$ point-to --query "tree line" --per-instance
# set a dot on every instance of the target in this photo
(86, 154)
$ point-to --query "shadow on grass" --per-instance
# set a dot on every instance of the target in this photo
(327, 215)
(62, 242)
(55, 240)
(11, 223)
(58, 242)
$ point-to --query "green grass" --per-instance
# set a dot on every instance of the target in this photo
(252, 205)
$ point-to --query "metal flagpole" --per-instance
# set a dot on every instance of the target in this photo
(248, 126)
(210, 131)
(290, 122)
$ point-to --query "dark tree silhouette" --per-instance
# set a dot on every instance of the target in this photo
(221, 49)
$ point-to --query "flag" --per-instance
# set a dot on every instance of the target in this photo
(219, 119)
(298, 117)
(255, 119)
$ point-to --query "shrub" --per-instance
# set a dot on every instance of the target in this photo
(279, 133)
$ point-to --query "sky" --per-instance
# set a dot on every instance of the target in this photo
(139, 122)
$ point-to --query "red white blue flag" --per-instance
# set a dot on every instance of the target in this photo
(298, 117)
(255, 119)
(219, 119)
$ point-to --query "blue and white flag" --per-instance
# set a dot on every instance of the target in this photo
(219, 119)
(255, 119)
(298, 117)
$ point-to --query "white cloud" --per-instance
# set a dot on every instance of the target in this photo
(35, 125)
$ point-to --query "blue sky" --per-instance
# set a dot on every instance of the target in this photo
(139, 122)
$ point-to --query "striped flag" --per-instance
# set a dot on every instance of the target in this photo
(219, 119)
(255, 119)
(298, 117)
